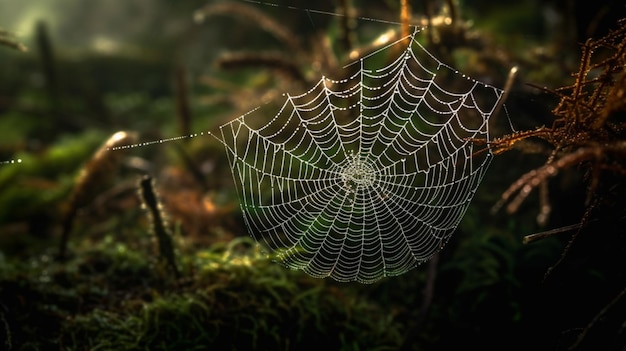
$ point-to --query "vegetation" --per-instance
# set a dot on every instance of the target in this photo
(94, 255)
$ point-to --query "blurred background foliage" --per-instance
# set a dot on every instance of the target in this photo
(73, 72)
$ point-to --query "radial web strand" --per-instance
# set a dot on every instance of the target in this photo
(366, 176)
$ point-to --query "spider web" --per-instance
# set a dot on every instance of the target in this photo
(366, 176)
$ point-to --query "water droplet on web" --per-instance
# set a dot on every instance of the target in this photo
(390, 187)
(11, 162)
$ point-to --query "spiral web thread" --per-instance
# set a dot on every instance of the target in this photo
(367, 176)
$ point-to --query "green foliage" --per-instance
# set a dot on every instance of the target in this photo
(40, 182)
(238, 298)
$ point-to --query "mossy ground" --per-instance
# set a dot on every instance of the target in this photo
(110, 297)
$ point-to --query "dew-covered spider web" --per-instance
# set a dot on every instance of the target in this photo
(366, 176)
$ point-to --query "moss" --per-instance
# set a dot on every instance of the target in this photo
(109, 297)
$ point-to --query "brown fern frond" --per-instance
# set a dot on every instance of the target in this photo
(589, 128)
(97, 171)
(250, 13)
(8, 39)
(275, 61)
